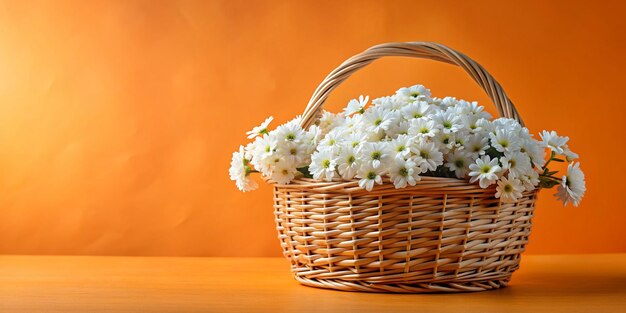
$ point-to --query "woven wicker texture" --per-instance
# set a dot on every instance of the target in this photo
(442, 235)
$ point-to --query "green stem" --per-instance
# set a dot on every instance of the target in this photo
(552, 155)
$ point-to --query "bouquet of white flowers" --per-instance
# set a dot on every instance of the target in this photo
(405, 136)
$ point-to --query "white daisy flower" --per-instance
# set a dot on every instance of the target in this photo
(348, 162)
(530, 180)
(459, 163)
(447, 121)
(284, 173)
(472, 109)
(261, 129)
(403, 172)
(369, 175)
(387, 103)
(423, 127)
(332, 139)
(517, 163)
(329, 120)
(413, 93)
(292, 152)
(355, 140)
(572, 189)
(469, 122)
(484, 126)
(378, 119)
(427, 156)
(288, 132)
(376, 153)
(485, 170)
(401, 145)
(553, 141)
(415, 110)
(264, 149)
(508, 124)
(398, 128)
(476, 145)
(447, 102)
(352, 122)
(509, 190)
(503, 140)
(569, 154)
(533, 149)
(323, 164)
(445, 141)
(240, 170)
(356, 106)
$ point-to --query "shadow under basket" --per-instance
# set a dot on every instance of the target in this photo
(443, 235)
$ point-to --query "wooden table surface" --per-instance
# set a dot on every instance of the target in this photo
(566, 283)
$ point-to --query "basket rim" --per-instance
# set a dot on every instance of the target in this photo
(426, 185)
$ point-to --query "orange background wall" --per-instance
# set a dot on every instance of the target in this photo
(118, 118)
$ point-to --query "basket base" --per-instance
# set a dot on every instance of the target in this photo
(449, 287)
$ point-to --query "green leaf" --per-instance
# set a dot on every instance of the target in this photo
(305, 172)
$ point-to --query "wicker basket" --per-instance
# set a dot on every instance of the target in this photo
(442, 235)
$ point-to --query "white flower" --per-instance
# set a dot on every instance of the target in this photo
(445, 141)
(284, 172)
(530, 180)
(323, 165)
(553, 141)
(261, 129)
(516, 163)
(352, 122)
(486, 170)
(376, 153)
(509, 190)
(477, 145)
(332, 139)
(369, 175)
(572, 188)
(314, 134)
(484, 126)
(292, 152)
(240, 170)
(472, 109)
(401, 145)
(447, 102)
(458, 162)
(387, 103)
(288, 132)
(329, 120)
(403, 172)
(569, 154)
(532, 148)
(427, 157)
(504, 140)
(508, 124)
(447, 121)
(413, 93)
(348, 162)
(415, 110)
(263, 150)
(355, 140)
(423, 127)
(470, 122)
(400, 127)
(356, 106)
(377, 119)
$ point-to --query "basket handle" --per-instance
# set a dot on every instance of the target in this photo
(425, 50)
